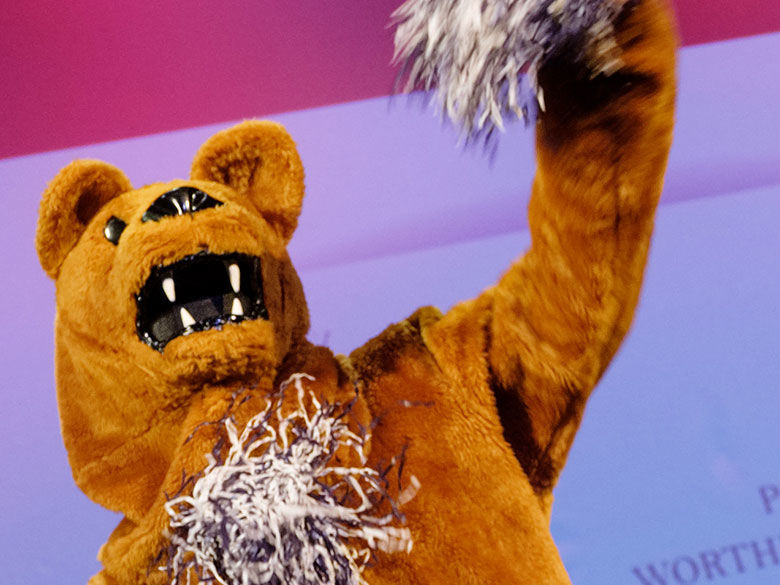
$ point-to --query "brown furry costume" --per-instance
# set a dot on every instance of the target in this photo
(486, 399)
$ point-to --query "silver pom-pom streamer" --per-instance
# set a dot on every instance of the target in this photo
(476, 52)
(277, 509)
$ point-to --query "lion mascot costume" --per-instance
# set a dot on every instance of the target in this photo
(239, 452)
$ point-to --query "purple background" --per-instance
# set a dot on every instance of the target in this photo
(682, 431)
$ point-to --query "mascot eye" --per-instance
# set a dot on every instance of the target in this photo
(114, 228)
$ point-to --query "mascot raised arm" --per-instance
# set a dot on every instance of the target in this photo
(242, 454)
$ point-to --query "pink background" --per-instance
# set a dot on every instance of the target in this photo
(87, 71)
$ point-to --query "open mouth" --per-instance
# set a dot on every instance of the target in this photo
(199, 292)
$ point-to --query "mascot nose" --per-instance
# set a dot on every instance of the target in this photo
(180, 201)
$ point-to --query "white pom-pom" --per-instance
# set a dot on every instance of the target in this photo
(278, 509)
(475, 52)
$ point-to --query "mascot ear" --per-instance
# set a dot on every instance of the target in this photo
(69, 203)
(258, 160)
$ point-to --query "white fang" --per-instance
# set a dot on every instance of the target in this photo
(237, 309)
(170, 289)
(187, 320)
(235, 277)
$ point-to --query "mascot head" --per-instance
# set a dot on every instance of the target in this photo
(164, 290)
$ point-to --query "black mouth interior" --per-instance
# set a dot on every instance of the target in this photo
(199, 292)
